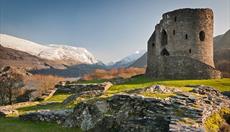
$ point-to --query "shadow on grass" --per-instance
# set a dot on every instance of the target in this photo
(16, 125)
(52, 106)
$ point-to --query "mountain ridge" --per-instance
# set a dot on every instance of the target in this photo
(23, 60)
(128, 60)
(67, 55)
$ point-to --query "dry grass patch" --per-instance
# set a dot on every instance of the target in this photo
(42, 83)
(114, 73)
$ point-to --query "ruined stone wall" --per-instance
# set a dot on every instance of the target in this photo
(185, 33)
(180, 67)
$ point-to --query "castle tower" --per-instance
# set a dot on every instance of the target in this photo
(181, 46)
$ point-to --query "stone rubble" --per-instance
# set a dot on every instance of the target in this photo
(185, 112)
(11, 109)
(84, 89)
(78, 87)
(57, 116)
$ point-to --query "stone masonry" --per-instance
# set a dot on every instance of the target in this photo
(182, 45)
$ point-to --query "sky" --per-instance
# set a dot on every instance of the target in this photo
(110, 29)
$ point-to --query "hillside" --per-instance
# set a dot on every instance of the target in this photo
(222, 53)
(67, 55)
(128, 60)
(140, 62)
(222, 41)
(24, 60)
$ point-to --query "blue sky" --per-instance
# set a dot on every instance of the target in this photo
(110, 29)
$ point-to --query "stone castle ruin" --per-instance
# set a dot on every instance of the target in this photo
(181, 47)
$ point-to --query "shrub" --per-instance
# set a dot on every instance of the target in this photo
(42, 83)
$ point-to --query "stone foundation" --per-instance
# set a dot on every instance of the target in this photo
(181, 67)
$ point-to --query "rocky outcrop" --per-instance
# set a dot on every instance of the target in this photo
(120, 113)
(186, 111)
(78, 87)
(83, 89)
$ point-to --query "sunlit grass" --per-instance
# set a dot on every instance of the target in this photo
(53, 106)
(58, 97)
(141, 82)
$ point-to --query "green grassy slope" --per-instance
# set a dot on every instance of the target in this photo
(141, 82)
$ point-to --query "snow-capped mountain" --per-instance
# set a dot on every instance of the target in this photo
(68, 53)
(125, 62)
(65, 54)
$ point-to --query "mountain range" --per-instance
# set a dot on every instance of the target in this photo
(61, 60)
(67, 55)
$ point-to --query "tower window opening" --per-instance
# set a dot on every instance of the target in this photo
(186, 36)
(175, 18)
(202, 35)
(153, 44)
(190, 51)
(174, 32)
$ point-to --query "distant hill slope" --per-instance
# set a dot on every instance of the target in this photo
(67, 55)
(24, 60)
(141, 62)
(71, 71)
(36, 65)
(221, 54)
(222, 41)
(128, 60)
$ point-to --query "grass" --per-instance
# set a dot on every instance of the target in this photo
(93, 81)
(141, 82)
(16, 125)
(59, 97)
(56, 105)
